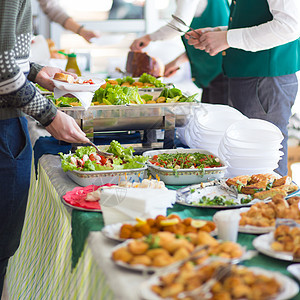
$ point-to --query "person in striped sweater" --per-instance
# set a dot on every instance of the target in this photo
(18, 98)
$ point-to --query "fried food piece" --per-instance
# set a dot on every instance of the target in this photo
(136, 235)
(205, 239)
(294, 199)
(180, 254)
(187, 221)
(296, 252)
(282, 181)
(252, 188)
(276, 246)
(144, 229)
(172, 291)
(174, 245)
(126, 231)
(289, 188)
(141, 260)
(137, 247)
(262, 177)
(154, 252)
(238, 180)
(192, 237)
(122, 254)
(162, 260)
(151, 222)
(269, 193)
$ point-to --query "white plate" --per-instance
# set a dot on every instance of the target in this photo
(186, 197)
(74, 87)
(289, 287)
(294, 269)
(184, 176)
(263, 244)
(113, 231)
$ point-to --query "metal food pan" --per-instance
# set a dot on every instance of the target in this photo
(131, 117)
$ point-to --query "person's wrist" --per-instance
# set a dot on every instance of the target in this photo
(79, 29)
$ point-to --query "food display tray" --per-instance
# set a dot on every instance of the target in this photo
(130, 117)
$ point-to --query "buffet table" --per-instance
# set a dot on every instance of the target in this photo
(42, 266)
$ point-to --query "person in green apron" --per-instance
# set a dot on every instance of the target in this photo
(206, 70)
(261, 54)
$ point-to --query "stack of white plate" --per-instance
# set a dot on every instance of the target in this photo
(208, 125)
(251, 146)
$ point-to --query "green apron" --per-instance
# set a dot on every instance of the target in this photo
(204, 67)
(277, 61)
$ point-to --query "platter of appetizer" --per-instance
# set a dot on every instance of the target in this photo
(283, 243)
(165, 249)
(240, 191)
(190, 282)
(143, 227)
(261, 217)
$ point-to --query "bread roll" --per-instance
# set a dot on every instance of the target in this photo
(64, 77)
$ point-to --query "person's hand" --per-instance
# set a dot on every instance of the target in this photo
(65, 128)
(43, 77)
(211, 42)
(171, 68)
(140, 43)
(88, 34)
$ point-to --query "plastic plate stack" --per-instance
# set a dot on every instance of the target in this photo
(250, 147)
(208, 125)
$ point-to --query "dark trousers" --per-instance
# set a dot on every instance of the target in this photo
(15, 167)
(217, 91)
(266, 98)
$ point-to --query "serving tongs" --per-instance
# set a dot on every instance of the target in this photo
(184, 24)
(102, 153)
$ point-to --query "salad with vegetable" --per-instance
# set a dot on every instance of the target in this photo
(175, 95)
(64, 101)
(220, 201)
(117, 95)
(86, 159)
(146, 80)
(178, 160)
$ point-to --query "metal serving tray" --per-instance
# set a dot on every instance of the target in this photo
(132, 117)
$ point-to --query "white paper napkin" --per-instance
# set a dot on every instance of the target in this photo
(85, 98)
(119, 205)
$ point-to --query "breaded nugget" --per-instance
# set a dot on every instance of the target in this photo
(122, 254)
(137, 247)
(141, 260)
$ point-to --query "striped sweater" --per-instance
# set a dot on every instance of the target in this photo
(18, 96)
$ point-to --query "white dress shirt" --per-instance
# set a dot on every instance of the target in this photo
(284, 28)
(185, 10)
